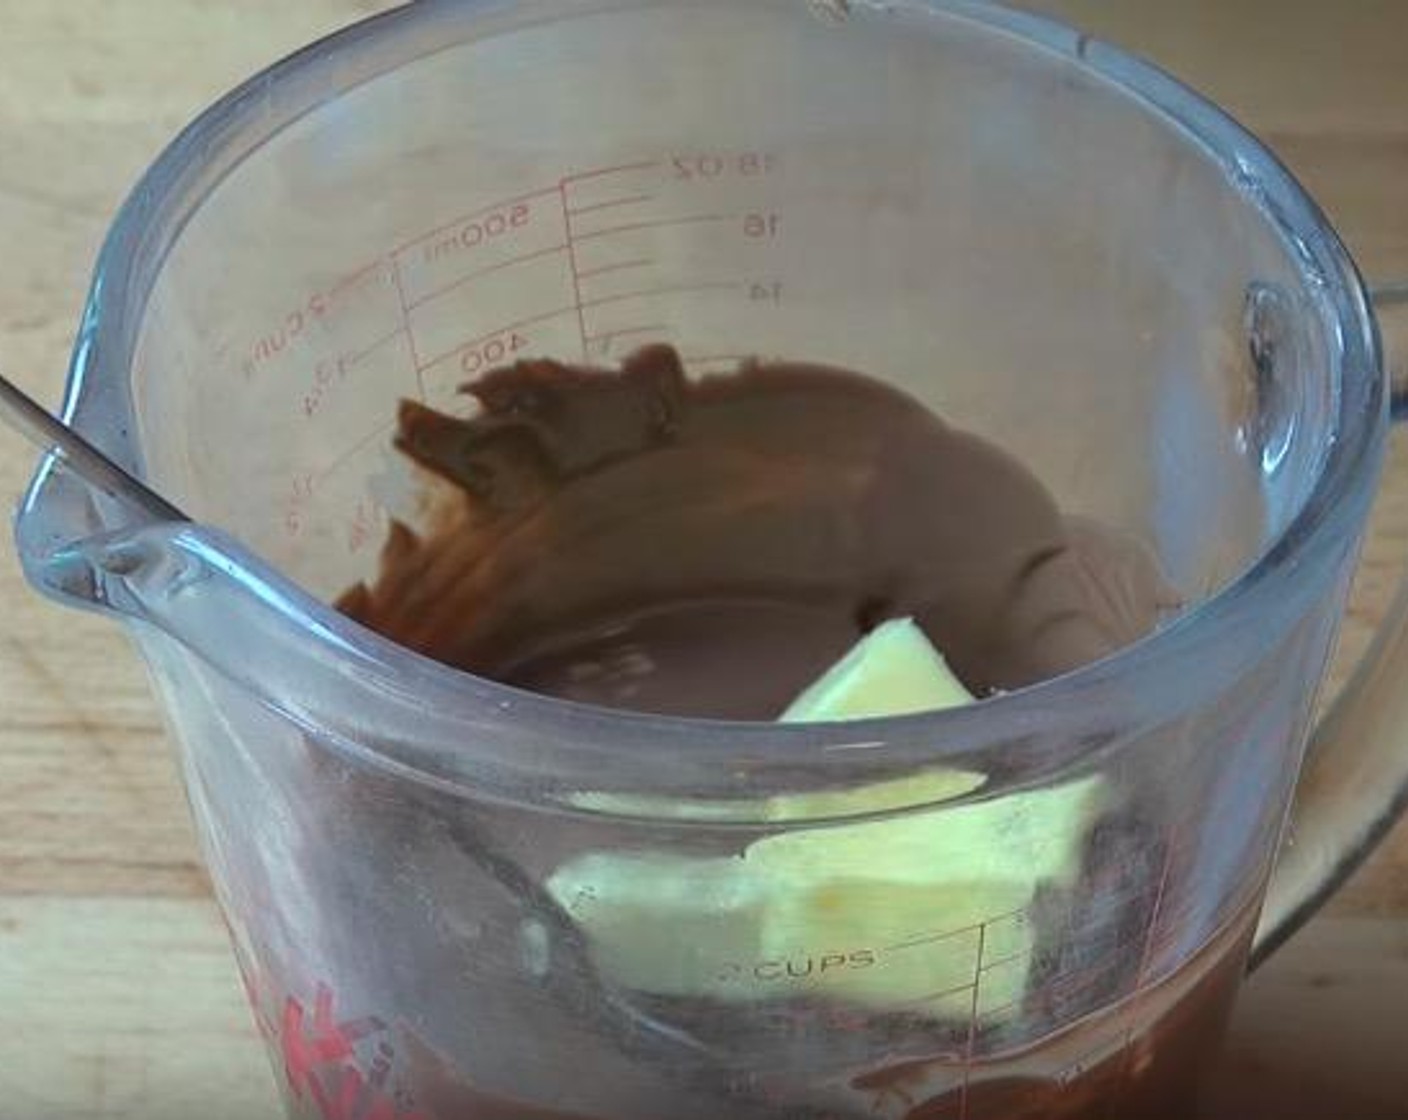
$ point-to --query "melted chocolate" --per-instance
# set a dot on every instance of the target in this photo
(1154, 1051)
(1155, 1075)
(635, 539)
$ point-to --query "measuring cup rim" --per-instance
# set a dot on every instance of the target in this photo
(1176, 667)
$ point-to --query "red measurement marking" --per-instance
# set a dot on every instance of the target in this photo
(305, 485)
(710, 359)
(325, 375)
(1068, 984)
(662, 290)
(469, 217)
(271, 345)
(406, 324)
(352, 279)
(505, 329)
(359, 355)
(970, 1050)
(934, 997)
(1146, 959)
(761, 225)
(628, 332)
(351, 453)
(937, 935)
(473, 235)
(716, 165)
(320, 1043)
(620, 266)
(662, 223)
(572, 266)
(320, 1064)
(1002, 1009)
(316, 307)
(598, 172)
(1166, 939)
(485, 272)
(992, 966)
(633, 200)
(359, 532)
(473, 359)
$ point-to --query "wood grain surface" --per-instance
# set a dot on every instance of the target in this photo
(118, 996)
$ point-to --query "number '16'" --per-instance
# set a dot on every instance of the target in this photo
(762, 225)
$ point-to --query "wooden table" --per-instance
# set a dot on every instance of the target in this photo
(118, 997)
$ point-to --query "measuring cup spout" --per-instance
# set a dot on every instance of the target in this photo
(85, 553)
(195, 586)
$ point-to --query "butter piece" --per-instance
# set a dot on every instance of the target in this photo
(880, 913)
(894, 670)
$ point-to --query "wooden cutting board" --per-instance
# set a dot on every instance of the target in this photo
(118, 996)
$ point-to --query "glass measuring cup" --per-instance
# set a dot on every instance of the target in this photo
(908, 191)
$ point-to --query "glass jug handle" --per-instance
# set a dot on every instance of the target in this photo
(1354, 784)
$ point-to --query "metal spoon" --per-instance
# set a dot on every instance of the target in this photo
(25, 415)
(573, 977)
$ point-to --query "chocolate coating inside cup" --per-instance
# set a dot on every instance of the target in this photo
(635, 539)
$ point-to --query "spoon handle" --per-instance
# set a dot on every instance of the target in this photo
(22, 413)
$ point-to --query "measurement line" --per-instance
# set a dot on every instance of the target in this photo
(352, 279)
(1146, 958)
(572, 267)
(621, 266)
(485, 271)
(504, 329)
(1002, 1009)
(611, 205)
(992, 966)
(660, 224)
(971, 1048)
(626, 332)
(351, 453)
(934, 938)
(598, 172)
(406, 322)
(357, 356)
(945, 993)
(469, 217)
(659, 290)
(1068, 984)
(708, 359)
